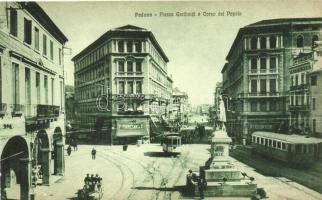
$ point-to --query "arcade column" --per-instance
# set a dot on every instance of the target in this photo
(45, 165)
(59, 164)
(25, 183)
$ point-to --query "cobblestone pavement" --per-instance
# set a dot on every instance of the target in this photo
(146, 173)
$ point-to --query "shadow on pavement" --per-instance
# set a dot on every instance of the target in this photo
(181, 189)
(161, 154)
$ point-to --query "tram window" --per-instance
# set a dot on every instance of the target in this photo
(270, 142)
(298, 148)
(254, 139)
(278, 145)
(310, 148)
(304, 148)
(262, 140)
(283, 146)
(257, 140)
(274, 143)
(266, 141)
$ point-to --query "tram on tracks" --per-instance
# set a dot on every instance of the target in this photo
(297, 150)
(171, 142)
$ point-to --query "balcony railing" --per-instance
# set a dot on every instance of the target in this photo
(41, 111)
(263, 71)
(299, 87)
(128, 112)
(299, 107)
(3, 109)
(128, 73)
(259, 94)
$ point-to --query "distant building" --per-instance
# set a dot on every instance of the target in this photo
(179, 107)
(32, 105)
(121, 82)
(257, 73)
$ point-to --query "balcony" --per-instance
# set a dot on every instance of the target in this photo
(299, 107)
(38, 111)
(263, 71)
(129, 74)
(17, 109)
(3, 109)
(258, 94)
(299, 87)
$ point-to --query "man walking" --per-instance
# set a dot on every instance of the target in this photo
(93, 153)
(202, 184)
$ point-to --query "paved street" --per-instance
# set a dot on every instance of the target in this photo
(125, 174)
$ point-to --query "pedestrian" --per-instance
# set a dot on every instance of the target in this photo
(202, 184)
(74, 144)
(87, 179)
(69, 150)
(93, 153)
(190, 185)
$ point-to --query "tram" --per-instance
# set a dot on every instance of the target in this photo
(171, 142)
(292, 149)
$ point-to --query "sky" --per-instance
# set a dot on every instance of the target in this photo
(196, 46)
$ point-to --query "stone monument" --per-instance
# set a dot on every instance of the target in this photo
(223, 178)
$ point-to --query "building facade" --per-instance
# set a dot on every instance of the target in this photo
(121, 81)
(32, 119)
(257, 73)
(178, 107)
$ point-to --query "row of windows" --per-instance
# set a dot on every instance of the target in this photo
(300, 40)
(270, 143)
(299, 99)
(97, 71)
(296, 81)
(261, 85)
(262, 106)
(130, 85)
(91, 91)
(28, 30)
(263, 42)
(130, 66)
(129, 46)
(263, 63)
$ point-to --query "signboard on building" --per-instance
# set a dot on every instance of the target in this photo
(132, 127)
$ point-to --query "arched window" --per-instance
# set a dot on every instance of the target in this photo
(263, 42)
(253, 43)
(272, 42)
(314, 39)
(299, 41)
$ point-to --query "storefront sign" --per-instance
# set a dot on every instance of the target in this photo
(128, 127)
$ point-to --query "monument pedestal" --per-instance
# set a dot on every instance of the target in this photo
(223, 178)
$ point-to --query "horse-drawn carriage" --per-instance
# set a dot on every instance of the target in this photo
(92, 190)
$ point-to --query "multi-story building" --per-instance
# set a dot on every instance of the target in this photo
(129, 65)
(315, 81)
(178, 107)
(256, 75)
(32, 120)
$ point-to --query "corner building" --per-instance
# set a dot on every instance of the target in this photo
(128, 66)
(257, 75)
(32, 119)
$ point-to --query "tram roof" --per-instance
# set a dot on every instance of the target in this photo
(295, 139)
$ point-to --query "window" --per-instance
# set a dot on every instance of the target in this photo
(292, 81)
(129, 66)
(52, 91)
(302, 78)
(283, 146)
(27, 31)
(314, 39)
(253, 106)
(314, 126)
(138, 87)
(130, 87)
(44, 44)
(121, 87)
(138, 47)
(313, 104)
(257, 140)
(263, 106)
(273, 106)
(272, 64)
(272, 42)
(253, 43)
(269, 142)
(13, 22)
(121, 66)
(59, 56)
(274, 143)
(313, 80)
(36, 38)
(138, 67)
(299, 41)
(46, 89)
(253, 86)
(38, 87)
(129, 46)
(15, 83)
(262, 140)
(51, 50)
(279, 145)
(263, 86)
(272, 85)
(120, 46)
(253, 65)
(296, 79)
(263, 64)
(298, 148)
(263, 42)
